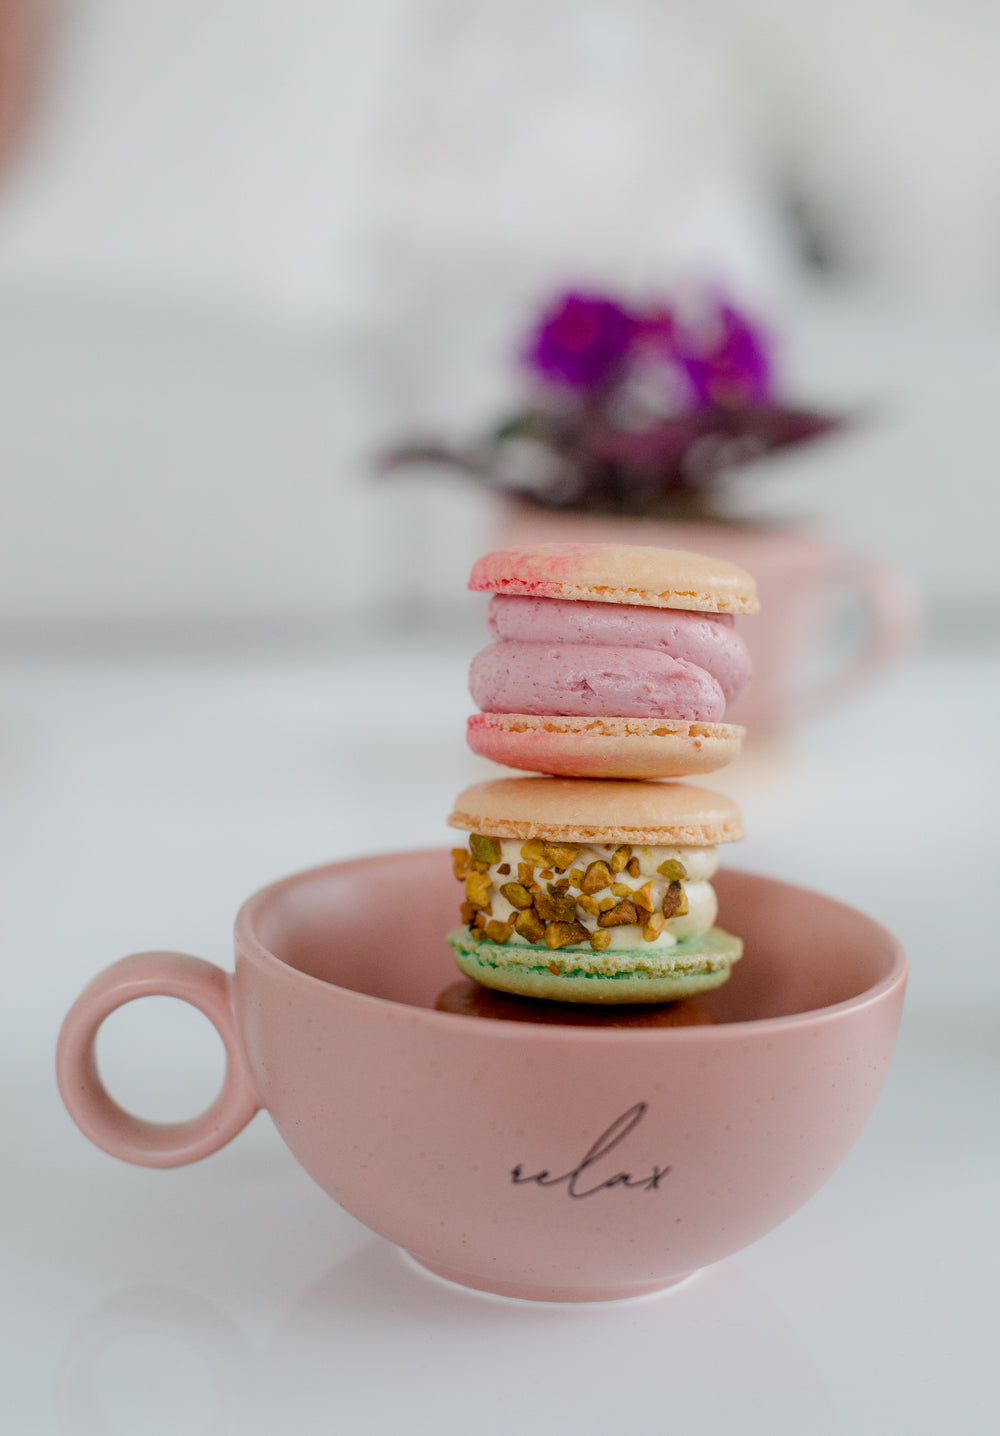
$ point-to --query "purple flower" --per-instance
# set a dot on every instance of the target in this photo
(726, 361)
(581, 341)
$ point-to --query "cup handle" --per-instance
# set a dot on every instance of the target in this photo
(94, 1110)
(893, 616)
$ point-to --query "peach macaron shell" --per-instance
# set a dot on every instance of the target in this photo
(632, 748)
(598, 810)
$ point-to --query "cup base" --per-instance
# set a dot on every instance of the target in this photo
(525, 1291)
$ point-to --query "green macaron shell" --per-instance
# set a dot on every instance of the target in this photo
(653, 975)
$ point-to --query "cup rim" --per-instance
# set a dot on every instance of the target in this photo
(249, 945)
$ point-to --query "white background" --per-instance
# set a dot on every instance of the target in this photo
(245, 246)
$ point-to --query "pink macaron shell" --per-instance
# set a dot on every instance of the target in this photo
(707, 640)
(589, 681)
(610, 748)
(617, 573)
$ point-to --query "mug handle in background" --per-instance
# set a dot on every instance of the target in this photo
(94, 1110)
(893, 614)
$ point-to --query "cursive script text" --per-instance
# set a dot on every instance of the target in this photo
(572, 1180)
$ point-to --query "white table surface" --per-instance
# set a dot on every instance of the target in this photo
(145, 797)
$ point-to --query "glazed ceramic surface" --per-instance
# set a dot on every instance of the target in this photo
(801, 578)
(540, 1161)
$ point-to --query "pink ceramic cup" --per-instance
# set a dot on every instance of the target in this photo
(802, 578)
(549, 1162)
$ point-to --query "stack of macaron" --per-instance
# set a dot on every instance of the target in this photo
(609, 661)
(612, 669)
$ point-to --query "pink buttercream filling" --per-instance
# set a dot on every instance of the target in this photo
(600, 660)
(708, 640)
(578, 680)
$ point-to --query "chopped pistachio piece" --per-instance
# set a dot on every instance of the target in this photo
(529, 925)
(589, 904)
(555, 908)
(486, 850)
(673, 869)
(499, 931)
(653, 926)
(504, 870)
(618, 916)
(468, 912)
(477, 889)
(620, 857)
(600, 940)
(632, 867)
(561, 934)
(532, 851)
(675, 903)
(596, 878)
(517, 895)
(606, 904)
(643, 897)
(576, 876)
(561, 855)
(621, 890)
(558, 888)
(460, 863)
(547, 874)
(525, 874)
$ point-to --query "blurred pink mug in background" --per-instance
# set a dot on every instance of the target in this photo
(24, 32)
(803, 580)
(548, 1162)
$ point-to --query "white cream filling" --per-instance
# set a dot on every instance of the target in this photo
(699, 863)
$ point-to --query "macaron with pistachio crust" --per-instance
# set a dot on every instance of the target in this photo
(609, 661)
(592, 891)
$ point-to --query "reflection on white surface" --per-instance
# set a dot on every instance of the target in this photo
(378, 1345)
(153, 1360)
